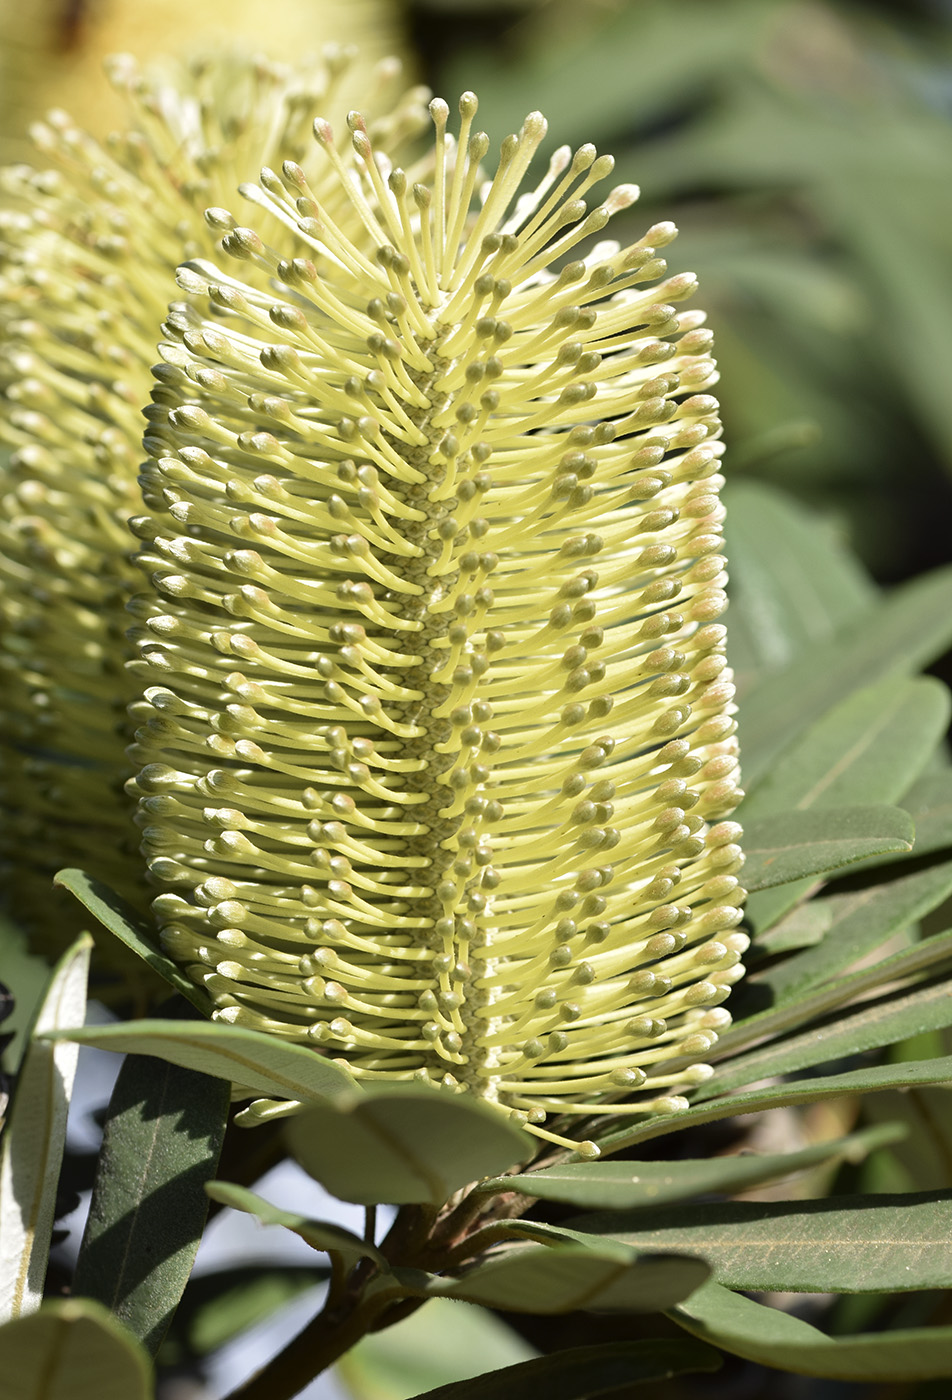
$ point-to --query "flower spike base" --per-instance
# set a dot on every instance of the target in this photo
(436, 738)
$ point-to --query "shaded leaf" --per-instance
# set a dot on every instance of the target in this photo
(861, 921)
(119, 917)
(35, 1135)
(255, 1062)
(786, 846)
(909, 629)
(930, 954)
(867, 749)
(792, 582)
(319, 1234)
(622, 1185)
(72, 1350)
(929, 803)
(161, 1143)
(774, 1338)
(870, 1027)
(401, 1145)
(442, 1344)
(584, 1373)
(219, 1306)
(851, 1244)
(860, 1081)
(603, 1275)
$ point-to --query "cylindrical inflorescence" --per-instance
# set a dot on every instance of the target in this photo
(88, 251)
(436, 742)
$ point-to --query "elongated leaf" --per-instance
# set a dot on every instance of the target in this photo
(623, 1185)
(162, 1139)
(72, 1350)
(253, 1061)
(787, 846)
(34, 1138)
(926, 1151)
(860, 1081)
(862, 921)
(929, 804)
(116, 915)
(775, 1339)
(403, 1146)
(867, 749)
(931, 954)
(854, 1244)
(221, 1305)
(882, 1023)
(792, 583)
(319, 1234)
(908, 630)
(584, 1373)
(442, 1344)
(600, 1274)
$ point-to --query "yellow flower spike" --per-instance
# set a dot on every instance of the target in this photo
(87, 256)
(436, 745)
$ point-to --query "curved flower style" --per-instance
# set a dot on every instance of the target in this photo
(87, 257)
(437, 717)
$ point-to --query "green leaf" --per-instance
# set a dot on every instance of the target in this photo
(402, 1146)
(775, 1339)
(872, 1026)
(72, 1350)
(218, 1306)
(623, 1185)
(584, 1373)
(441, 1344)
(929, 804)
(35, 1135)
(843, 1244)
(319, 1234)
(603, 1275)
(162, 1139)
(860, 1081)
(929, 955)
(926, 1151)
(792, 583)
(862, 920)
(867, 749)
(908, 630)
(119, 917)
(255, 1062)
(786, 846)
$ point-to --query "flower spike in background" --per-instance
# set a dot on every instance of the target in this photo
(88, 251)
(436, 738)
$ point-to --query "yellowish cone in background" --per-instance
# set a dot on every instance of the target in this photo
(52, 51)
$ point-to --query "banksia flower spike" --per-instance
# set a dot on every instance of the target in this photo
(87, 257)
(436, 739)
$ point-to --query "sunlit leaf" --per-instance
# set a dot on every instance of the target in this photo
(319, 1234)
(118, 916)
(72, 1350)
(623, 1185)
(776, 1339)
(860, 1081)
(783, 847)
(35, 1135)
(855, 1244)
(398, 1146)
(255, 1062)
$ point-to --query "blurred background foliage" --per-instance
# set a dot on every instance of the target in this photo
(804, 148)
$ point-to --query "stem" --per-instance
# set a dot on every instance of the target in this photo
(322, 1342)
(370, 1224)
